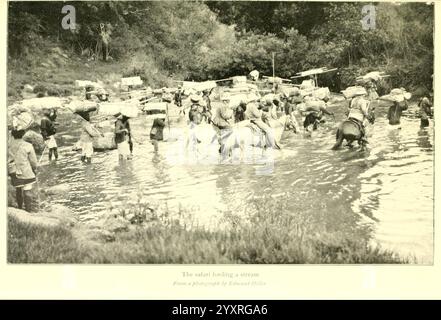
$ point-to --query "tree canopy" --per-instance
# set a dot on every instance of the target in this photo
(207, 40)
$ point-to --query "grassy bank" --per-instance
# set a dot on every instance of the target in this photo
(272, 240)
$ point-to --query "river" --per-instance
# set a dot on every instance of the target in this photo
(388, 190)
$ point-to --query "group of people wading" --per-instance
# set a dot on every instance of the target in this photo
(259, 111)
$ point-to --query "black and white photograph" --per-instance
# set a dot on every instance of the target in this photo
(220, 133)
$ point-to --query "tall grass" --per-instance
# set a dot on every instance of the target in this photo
(265, 234)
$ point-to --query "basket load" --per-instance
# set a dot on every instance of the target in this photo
(112, 108)
(199, 86)
(354, 91)
(396, 95)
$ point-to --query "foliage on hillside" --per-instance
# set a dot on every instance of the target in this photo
(209, 40)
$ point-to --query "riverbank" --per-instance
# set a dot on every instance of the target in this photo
(264, 239)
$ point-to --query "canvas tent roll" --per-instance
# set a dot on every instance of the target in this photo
(313, 72)
(82, 106)
(111, 108)
(372, 76)
(84, 83)
(44, 102)
(199, 86)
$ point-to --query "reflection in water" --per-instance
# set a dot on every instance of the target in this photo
(398, 190)
(385, 193)
(423, 140)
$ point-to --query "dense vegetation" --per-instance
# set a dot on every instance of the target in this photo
(208, 40)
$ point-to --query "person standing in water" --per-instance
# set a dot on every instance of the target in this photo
(195, 107)
(425, 111)
(87, 135)
(47, 129)
(123, 136)
(395, 111)
(22, 166)
(157, 132)
(222, 121)
(207, 108)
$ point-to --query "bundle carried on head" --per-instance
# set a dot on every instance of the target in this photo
(314, 105)
(21, 119)
(167, 97)
(371, 76)
(82, 106)
(291, 91)
(397, 95)
(37, 104)
(354, 91)
(129, 110)
(254, 75)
